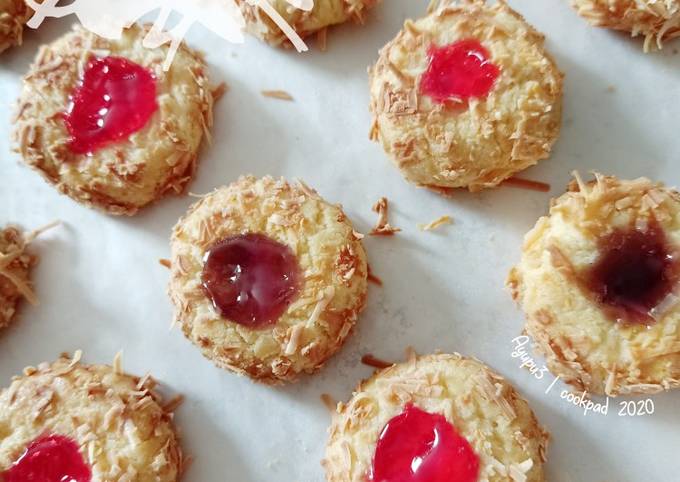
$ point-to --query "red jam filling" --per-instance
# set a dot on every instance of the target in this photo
(115, 99)
(459, 71)
(634, 273)
(251, 279)
(417, 446)
(50, 458)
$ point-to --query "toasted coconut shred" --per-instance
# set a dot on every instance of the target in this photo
(277, 94)
(440, 221)
(382, 226)
(374, 362)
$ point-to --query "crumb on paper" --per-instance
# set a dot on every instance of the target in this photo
(382, 227)
(173, 403)
(611, 89)
(440, 221)
(277, 94)
(219, 91)
(374, 362)
(329, 402)
(164, 262)
(527, 184)
(322, 39)
(373, 278)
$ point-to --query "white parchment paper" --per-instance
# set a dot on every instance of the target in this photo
(102, 289)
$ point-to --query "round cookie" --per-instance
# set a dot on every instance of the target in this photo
(104, 422)
(656, 20)
(15, 267)
(486, 423)
(267, 235)
(598, 281)
(466, 96)
(323, 14)
(13, 16)
(103, 122)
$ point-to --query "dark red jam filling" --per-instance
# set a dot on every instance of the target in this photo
(115, 99)
(251, 279)
(50, 458)
(634, 273)
(459, 71)
(417, 446)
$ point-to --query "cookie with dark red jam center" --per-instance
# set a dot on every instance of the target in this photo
(267, 278)
(599, 283)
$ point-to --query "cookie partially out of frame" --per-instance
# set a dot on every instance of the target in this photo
(305, 22)
(15, 270)
(599, 282)
(13, 16)
(497, 425)
(466, 96)
(267, 278)
(102, 421)
(123, 174)
(655, 20)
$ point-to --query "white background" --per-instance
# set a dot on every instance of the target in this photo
(102, 289)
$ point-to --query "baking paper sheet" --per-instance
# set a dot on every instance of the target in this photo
(102, 289)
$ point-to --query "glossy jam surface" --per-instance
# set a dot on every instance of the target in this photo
(417, 446)
(635, 271)
(459, 71)
(50, 458)
(251, 279)
(115, 99)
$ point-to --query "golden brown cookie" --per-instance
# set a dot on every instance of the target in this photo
(86, 422)
(655, 20)
(103, 122)
(599, 280)
(440, 417)
(466, 96)
(323, 14)
(15, 268)
(268, 279)
(13, 16)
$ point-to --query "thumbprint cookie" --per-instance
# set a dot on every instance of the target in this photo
(304, 16)
(437, 418)
(466, 96)
(15, 269)
(267, 278)
(655, 20)
(599, 281)
(66, 421)
(13, 16)
(103, 122)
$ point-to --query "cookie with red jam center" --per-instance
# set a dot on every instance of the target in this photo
(70, 421)
(267, 278)
(102, 121)
(436, 418)
(458, 102)
(599, 281)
